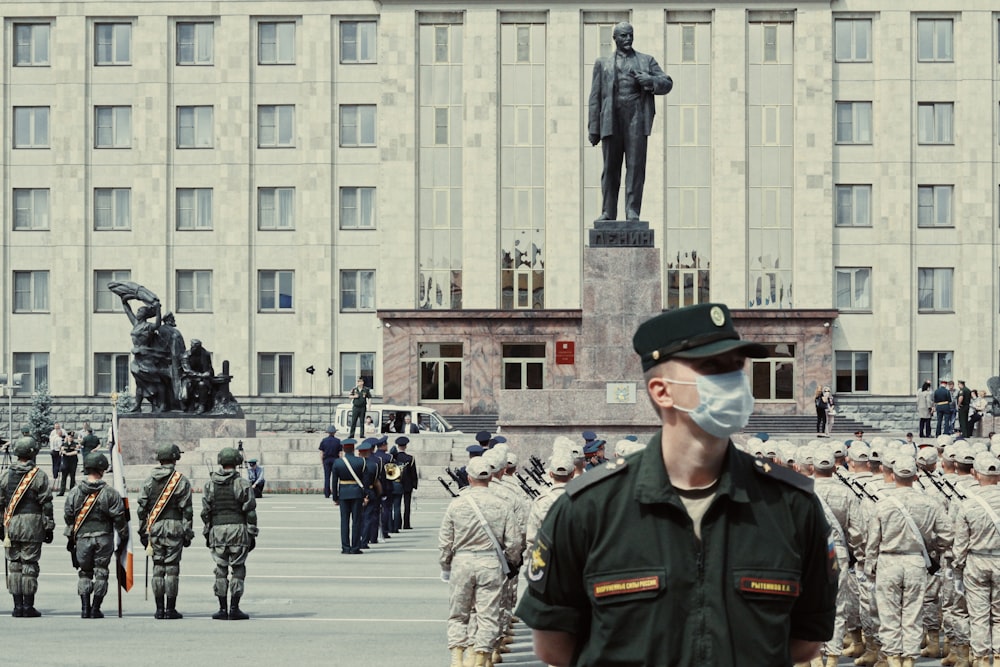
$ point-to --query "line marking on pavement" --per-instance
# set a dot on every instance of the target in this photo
(352, 619)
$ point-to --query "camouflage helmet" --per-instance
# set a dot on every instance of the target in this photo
(95, 461)
(229, 456)
(24, 449)
(167, 453)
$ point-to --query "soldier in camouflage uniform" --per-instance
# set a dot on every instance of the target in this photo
(471, 564)
(561, 469)
(897, 552)
(835, 497)
(90, 527)
(977, 559)
(229, 512)
(27, 522)
(166, 530)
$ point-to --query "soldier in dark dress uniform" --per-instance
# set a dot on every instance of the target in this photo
(408, 479)
(349, 496)
(330, 449)
(385, 498)
(372, 488)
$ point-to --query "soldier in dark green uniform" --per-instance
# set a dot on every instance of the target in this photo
(361, 399)
(93, 513)
(229, 512)
(690, 553)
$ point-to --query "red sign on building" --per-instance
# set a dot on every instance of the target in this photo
(565, 351)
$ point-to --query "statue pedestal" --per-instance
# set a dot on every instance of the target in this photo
(621, 234)
(141, 434)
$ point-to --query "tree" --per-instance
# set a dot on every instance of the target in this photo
(40, 419)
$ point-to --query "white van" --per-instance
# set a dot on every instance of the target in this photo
(388, 418)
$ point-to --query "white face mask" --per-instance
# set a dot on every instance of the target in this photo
(724, 405)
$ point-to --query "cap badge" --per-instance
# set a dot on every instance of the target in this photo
(718, 317)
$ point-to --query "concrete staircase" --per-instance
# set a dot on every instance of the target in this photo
(801, 425)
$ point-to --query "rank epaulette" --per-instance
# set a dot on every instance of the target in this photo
(595, 475)
(783, 474)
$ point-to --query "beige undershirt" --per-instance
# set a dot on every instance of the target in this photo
(696, 502)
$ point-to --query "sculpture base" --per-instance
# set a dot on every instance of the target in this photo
(621, 234)
(141, 434)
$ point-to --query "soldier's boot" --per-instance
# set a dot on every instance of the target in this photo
(479, 660)
(18, 605)
(85, 608)
(831, 661)
(95, 609)
(29, 611)
(470, 657)
(883, 660)
(854, 644)
(996, 660)
(895, 661)
(933, 648)
(495, 658)
(235, 614)
(816, 662)
(223, 613)
(159, 606)
(457, 653)
(870, 656)
(909, 662)
(950, 653)
(963, 656)
(170, 610)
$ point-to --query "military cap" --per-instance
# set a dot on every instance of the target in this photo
(839, 450)
(823, 458)
(511, 459)
(25, 430)
(875, 454)
(978, 446)
(623, 447)
(858, 451)
(383, 440)
(483, 437)
(479, 468)
(755, 446)
(403, 441)
(588, 436)
(475, 450)
(331, 428)
(348, 442)
(904, 466)
(944, 440)
(229, 456)
(763, 435)
(252, 461)
(806, 454)
(95, 461)
(927, 455)
(964, 454)
(493, 460)
(693, 332)
(367, 444)
(497, 440)
(563, 445)
(633, 438)
(561, 464)
(987, 464)
(24, 450)
(592, 446)
(166, 453)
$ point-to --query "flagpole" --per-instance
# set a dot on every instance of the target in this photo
(114, 447)
(123, 548)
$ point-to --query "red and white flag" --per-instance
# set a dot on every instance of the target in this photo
(124, 557)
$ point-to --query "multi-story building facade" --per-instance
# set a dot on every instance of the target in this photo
(402, 190)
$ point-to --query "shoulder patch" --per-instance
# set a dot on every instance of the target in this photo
(783, 474)
(578, 484)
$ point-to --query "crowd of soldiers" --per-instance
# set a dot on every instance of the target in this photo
(916, 531)
(97, 519)
(488, 530)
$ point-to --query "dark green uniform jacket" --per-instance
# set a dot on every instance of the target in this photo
(617, 564)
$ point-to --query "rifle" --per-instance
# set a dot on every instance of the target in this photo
(523, 483)
(447, 487)
(71, 548)
(538, 479)
(856, 487)
(451, 473)
(958, 494)
(537, 465)
(937, 484)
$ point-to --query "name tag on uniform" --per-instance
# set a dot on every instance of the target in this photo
(783, 587)
(604, 589)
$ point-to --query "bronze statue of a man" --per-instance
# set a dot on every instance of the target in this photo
(621, 118)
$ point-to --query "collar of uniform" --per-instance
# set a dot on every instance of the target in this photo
(653, 484)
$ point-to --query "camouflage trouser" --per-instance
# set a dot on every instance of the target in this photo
(93, 553)
(954, 614)
(852, 613)
(868, 609)
(899, 591)
(232, 557)
(982, 596)
(476, 583)
(836, 644)
(166, 564)
(23, 575)
(931, 612)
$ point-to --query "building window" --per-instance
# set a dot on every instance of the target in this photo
(935, 121)
(194, 127)
(441, 126)
(31, 127)
(113, 127)
(851, 372)
(357, 41)
(854, 288)
(31, 44)
(440, 371)
(112, 43)
(854, 122)
(688, 52)
(35, 366)
(275, 125)
(31, 291)
(770, 44)
(194, 292)
(523, 365)
(357, 290)
(773, 377)
(934, 366)
(194, 208)
(276, 43)
(854, 206)
(357, 125)
(274, 373)
(31, 208)
(106, 301)
(934, 40)
(441, 52)
(357, 208)
(111, 373)
(934, 290)
(274, 291)
(194, 43)
(853, 40)
(934, 205)
(276, 208)
(354, 365)
(112, 209)
(687, 286)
